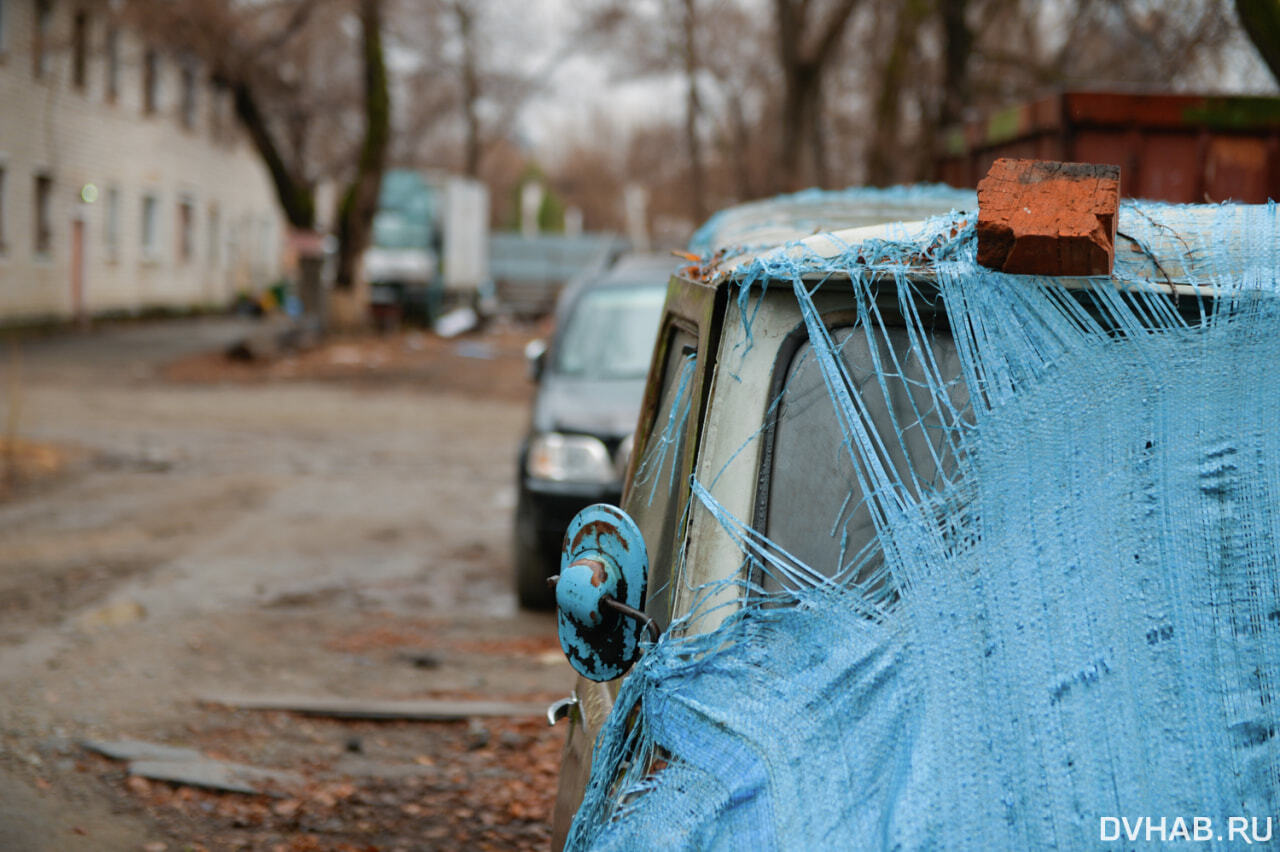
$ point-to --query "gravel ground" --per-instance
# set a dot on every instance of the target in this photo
(332, 524)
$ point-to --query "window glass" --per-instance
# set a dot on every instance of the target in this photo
(610, 332)
(188, 97)
(2, 203)
(111, 222)
(150, 226)
(186, 231)
(40, 46)
(816, 509)
(80, 49)
(653, 498)
(150, 81)
(215, 253)
(43, 215)
(112, 49)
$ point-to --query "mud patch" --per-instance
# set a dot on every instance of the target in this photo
(48, 596)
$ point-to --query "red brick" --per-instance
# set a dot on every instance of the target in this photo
(1040, 217)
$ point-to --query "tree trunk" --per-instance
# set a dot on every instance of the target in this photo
(957, 45)
(947, 112)
(297, 198)
(885, 157)
(740, 134)
(1261, 20)
(693, 109)
(804, 62)
(470, 88)
(799, 103)
(360, 202)
(818, 137)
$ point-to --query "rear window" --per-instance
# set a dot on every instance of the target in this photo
(610, 333)
(816, 509)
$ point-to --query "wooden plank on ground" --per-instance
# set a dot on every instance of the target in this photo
(418, 709)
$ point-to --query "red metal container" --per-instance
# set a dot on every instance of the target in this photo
(1180, 148)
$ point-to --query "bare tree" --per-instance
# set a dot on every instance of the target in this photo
(470, 83)
(808, 42)
(661, 39)
(291, 66)
(1261, 21)
(360, 202)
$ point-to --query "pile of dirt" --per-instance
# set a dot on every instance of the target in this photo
(488, 364)
(24, 464)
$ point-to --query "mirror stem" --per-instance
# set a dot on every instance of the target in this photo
(630, 612)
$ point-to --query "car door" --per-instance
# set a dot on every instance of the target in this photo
(655, 494)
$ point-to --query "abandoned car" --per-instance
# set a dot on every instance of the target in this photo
(913, 553)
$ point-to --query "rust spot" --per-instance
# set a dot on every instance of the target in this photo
(598, 529)
(598, 573)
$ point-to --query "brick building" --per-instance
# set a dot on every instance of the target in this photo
(125, 181)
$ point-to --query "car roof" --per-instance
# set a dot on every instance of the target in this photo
(773, 221)
(632, 269)
(1178, 248)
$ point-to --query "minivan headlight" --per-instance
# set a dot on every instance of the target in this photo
(569, 458)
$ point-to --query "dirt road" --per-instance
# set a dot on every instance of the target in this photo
(335, 526)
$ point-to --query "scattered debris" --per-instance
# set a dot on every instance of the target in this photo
(346, 355)
(475, 349)
(421, 709)
(414, 359)
(477, 736)
(114, 614)
(420, 659)
(23, 462)
(273, 339)
(457, 322)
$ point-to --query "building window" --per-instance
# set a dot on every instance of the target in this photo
(43, 215)
(39, 47)
(111, 222)
(3, 174)
(150, 81)
(150, 227)
(4, 27)
(80, 49)
(188, 97)
(186, 231)
(215, 256)
(218, 99)
(112, 50)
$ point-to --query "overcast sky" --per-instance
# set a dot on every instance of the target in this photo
(581, 87)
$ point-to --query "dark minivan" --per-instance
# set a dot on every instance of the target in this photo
(590, 383)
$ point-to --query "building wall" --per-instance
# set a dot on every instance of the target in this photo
(107, 160)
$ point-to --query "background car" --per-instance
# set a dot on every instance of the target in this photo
(590, 382)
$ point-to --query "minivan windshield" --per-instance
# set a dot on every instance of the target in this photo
(610, 332)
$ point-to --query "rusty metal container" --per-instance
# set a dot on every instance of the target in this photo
(1180, 148)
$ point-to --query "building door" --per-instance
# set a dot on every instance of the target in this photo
(77, 270)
